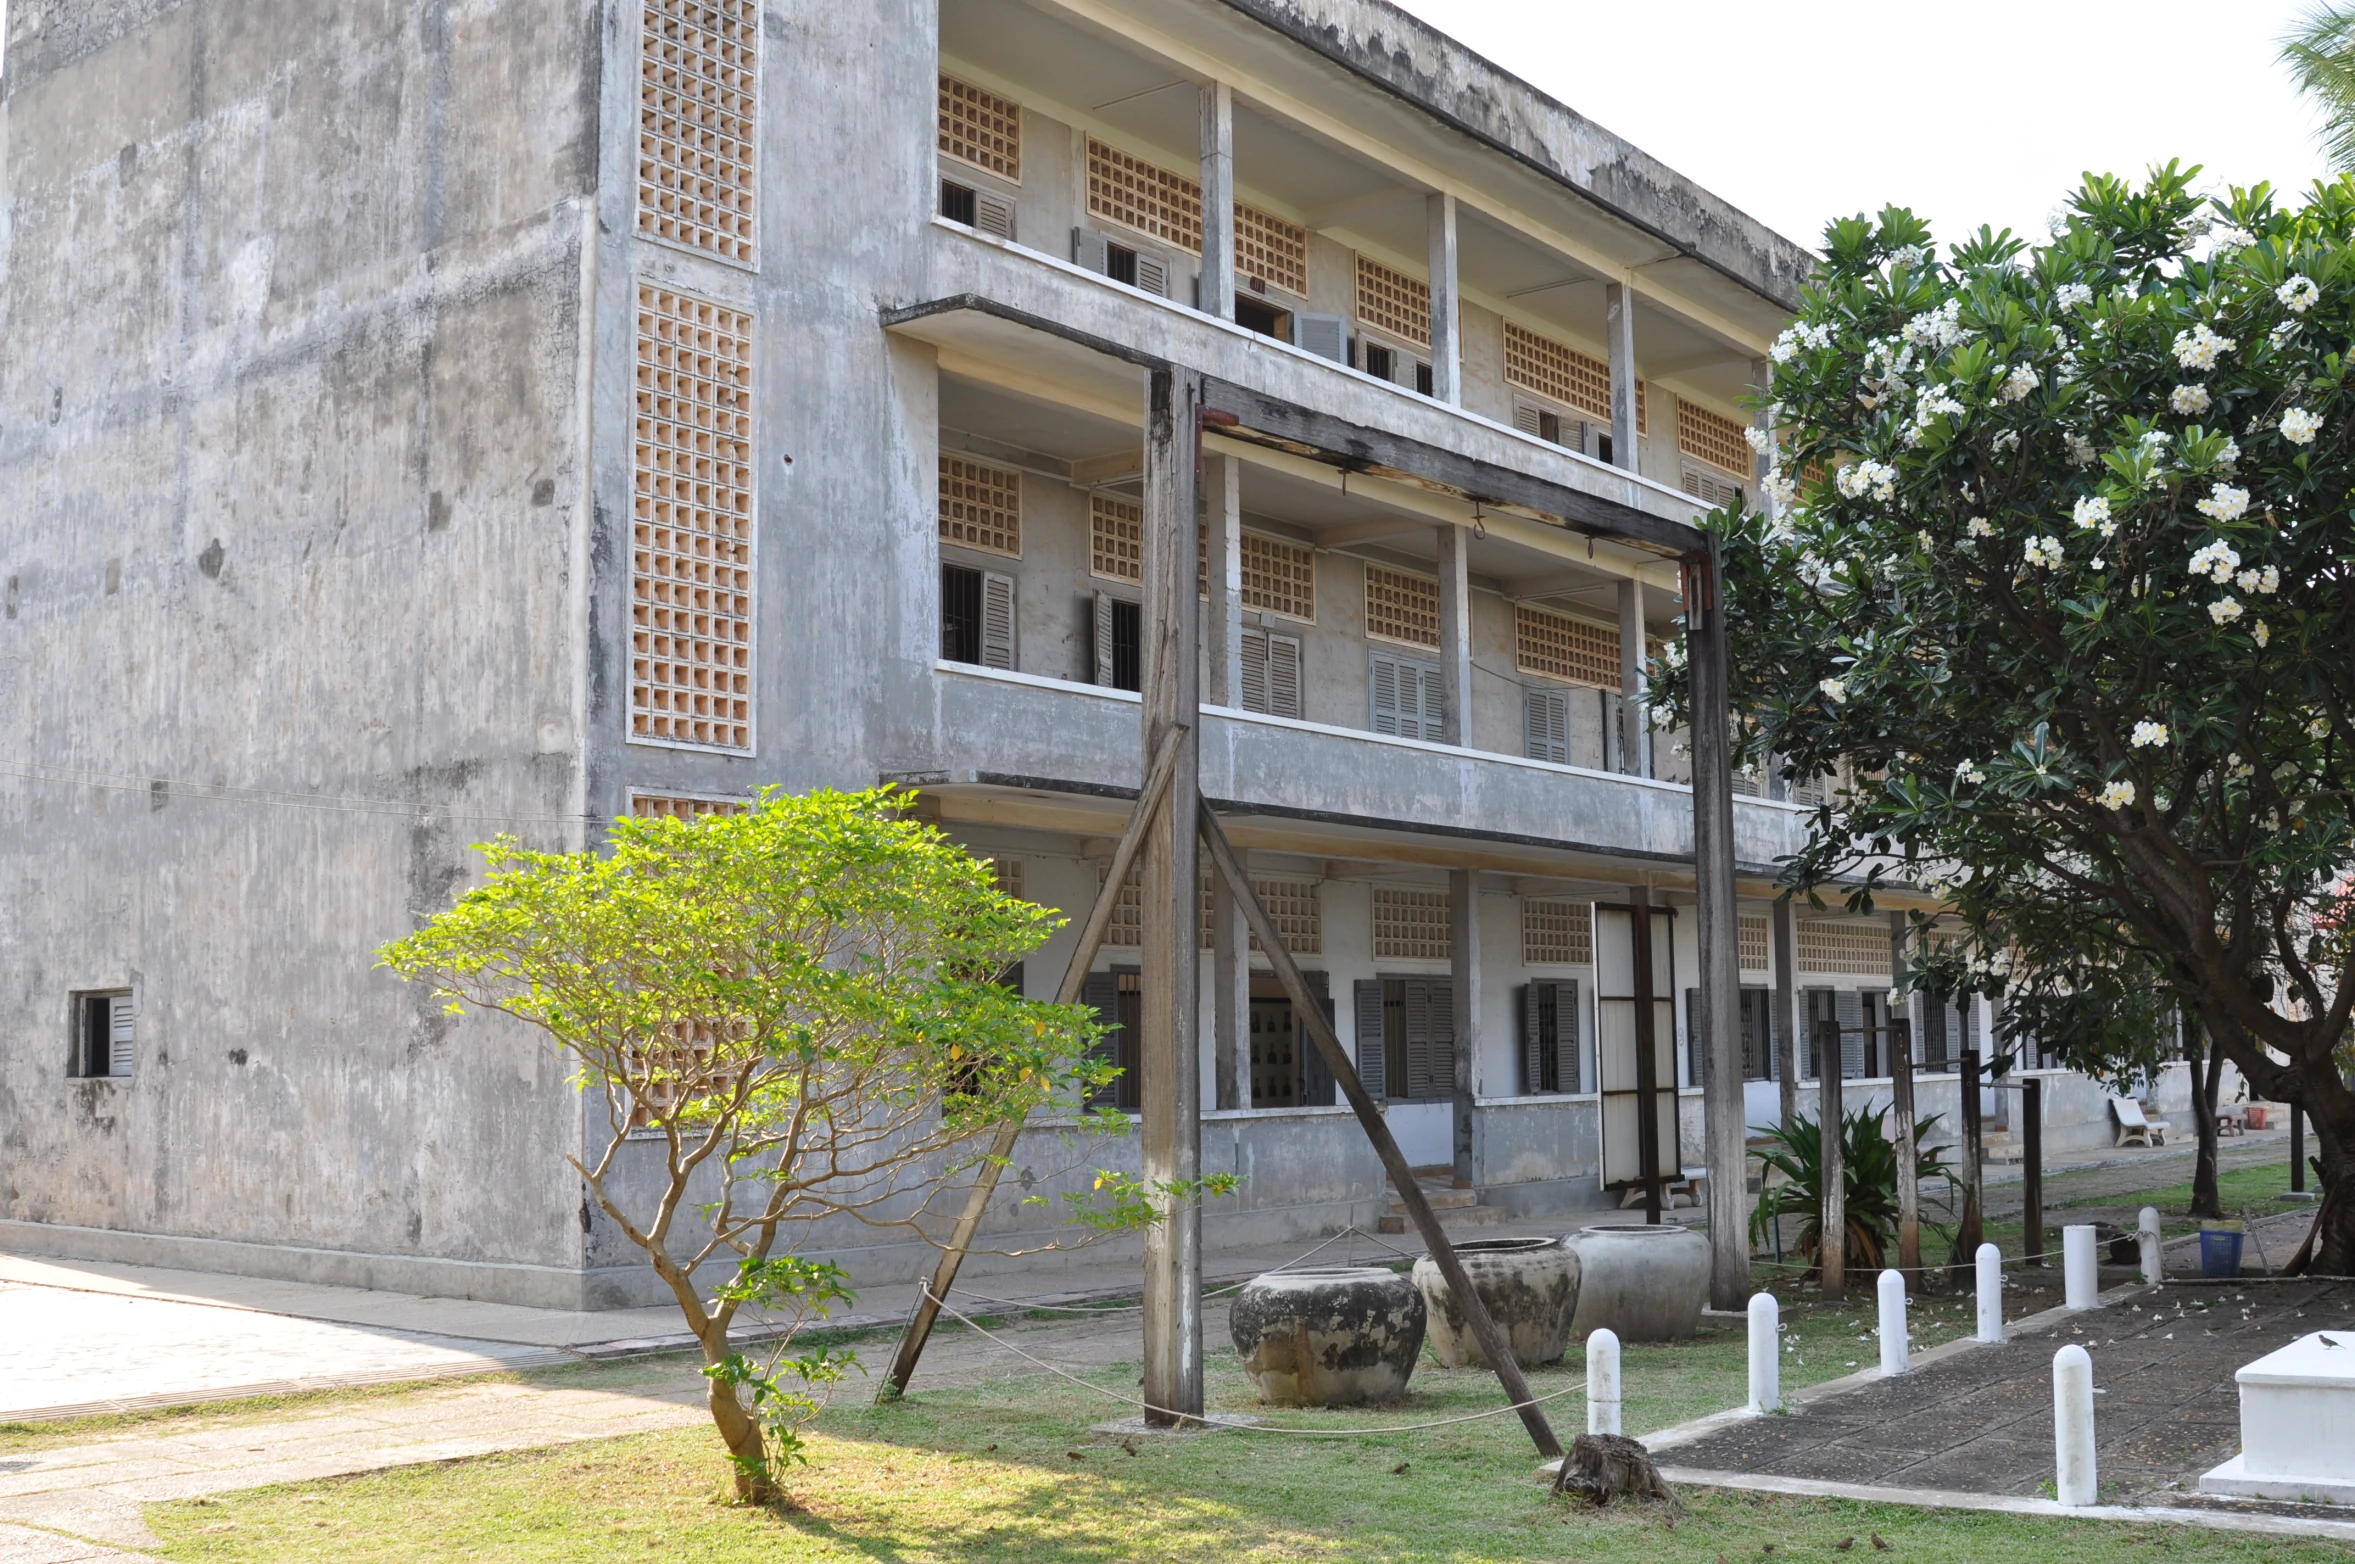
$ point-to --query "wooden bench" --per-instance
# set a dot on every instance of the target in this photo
(2135, 1128)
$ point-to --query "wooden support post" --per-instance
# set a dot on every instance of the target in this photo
(1969, 1230)
(1635, 727)
(1311, 1015)
(1619, 345)
(1230, 999)
(1463, 918)
(1718, 939)
(1075, 977)
(1832, 1224)
(1216, 286)
(2032, 1169)
(1909, 1188)
(1786, 1014)
(1447, 352)
(1169, 1078)
(1647, 1061)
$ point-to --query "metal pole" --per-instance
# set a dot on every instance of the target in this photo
(1720, 997)
(1909, 1187)
(1969, 1232)
(2032, 1170)
(1647, 1063)
(1493, 1344)
(1832, 1224)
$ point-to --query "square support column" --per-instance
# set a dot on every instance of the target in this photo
(1222, 623)
(1463, 920)
(1784, 923)
(1635, 726)
(1619, 328)
(1230, 997)
(1216, 289)
(1455, 635)
(1720, 996)
(1169, 1075)
(1447, 346)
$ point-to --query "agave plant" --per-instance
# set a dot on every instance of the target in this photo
(1868, 1174)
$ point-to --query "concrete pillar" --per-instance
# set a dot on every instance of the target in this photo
(1602, 1382)
(1619, 332)
(1222, 618)
(2081, 1276)
(1635, 728)
(1909, 1191)
(2146, 1232)
(1894, 1353)
(1990, 1261)
(1724, 1121)
(1217, 289)
(1230, 996)
(1784, 925)
(1455, 634)
(2074, 1478)
(1463, 916)
(1766, 1354)
(1169, 1075)
(1447, 347)
(1833, 1223)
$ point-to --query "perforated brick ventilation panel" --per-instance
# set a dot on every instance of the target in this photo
(1411, 925)
(1401, 607)
(980, 506)
(1712, 438)
(1861, 949)
(981, 128)
(691, 566)
(1561, 647)
(676, 806)
(1116, 538)
(1560, 373)
(1557, 933)
(1271, 249)
(698, 70)
(1125, 189)
(1281, 577)
(1292, 905)
(1390, 301)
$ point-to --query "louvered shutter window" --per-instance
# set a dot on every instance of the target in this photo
(1430, 1038)
(1850, 1010)
(1152, 276)
(997, 621)
(1254, 669)
(1283, 677)
(1101, 993)
(1532, 1042)
(1549, 1037)
(1525, 418)
(1386, 688)
(1546, 715)
(1316, 1078)
(1434, 705)
(1100, 637)
(121, 1055)
(1372, 1066)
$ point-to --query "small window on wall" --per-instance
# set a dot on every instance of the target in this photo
(976, 617)
(1116, 641)
(103, 1035)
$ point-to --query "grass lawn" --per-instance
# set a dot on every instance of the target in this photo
(1008, 1470)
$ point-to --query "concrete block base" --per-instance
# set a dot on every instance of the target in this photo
(2233, 1480)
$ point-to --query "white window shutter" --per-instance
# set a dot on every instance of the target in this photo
(1254, 668)
(1101, 630)
(1283, 677)
(121, 1055)
(997, 620)
(1326, 336)
(1088, 252)
(1387, 685)
(993, 214)
(1152, 276)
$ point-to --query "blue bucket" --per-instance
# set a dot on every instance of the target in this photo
(2220, 1253)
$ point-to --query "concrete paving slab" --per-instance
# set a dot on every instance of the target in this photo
(23, 1545)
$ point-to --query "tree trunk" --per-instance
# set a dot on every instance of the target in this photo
(2334, 1144)
(2207, 1067)
(740, 1431)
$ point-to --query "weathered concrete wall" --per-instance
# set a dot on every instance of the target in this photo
(294, 497)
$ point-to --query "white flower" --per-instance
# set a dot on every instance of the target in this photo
(1761, 440)
(2298, 295)
(1981, 527)
(2283, 331)
(2148, 735)
(1879, 479)
(2246, 580)
(2261, 634)
(2094, 512)
(2318, 727)
(1835, 690)
(2080, 448)
(2225, 503)
(2188, 399)
(2022, 380)
(2118, 795)
(1923, 538)
(1781, 491)
(2197, 348)
(2069, 295)
(1938, 328)
(1799, 335)
(2045, 551)
(2224, 610)
(2229, 457)
(2269, 580)
(2299, 427)
(1968, 771)
(2006, 440)
(2229, 239)
(2216, 561)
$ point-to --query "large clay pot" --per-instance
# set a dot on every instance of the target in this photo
(1332, 1338)
(1530, 1286)
(1645, 1283)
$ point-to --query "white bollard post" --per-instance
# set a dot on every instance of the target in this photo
(2081, 1275)
(1602, 1382)
(2072, 1426)
(2146, 1228)
(1990, 1293)
(1766, 1346)
(1893, 1353)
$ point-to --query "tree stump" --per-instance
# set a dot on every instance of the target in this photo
(1603, 1467)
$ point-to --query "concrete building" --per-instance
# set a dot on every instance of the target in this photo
(423, 421)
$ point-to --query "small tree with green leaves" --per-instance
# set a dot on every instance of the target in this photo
(791, 1013)
(2060, 577)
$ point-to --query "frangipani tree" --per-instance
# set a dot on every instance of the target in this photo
(789, 1014)
(2061, 565)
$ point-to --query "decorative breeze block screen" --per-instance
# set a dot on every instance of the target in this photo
(1007, 875)
(1560, 372)
(1402, 607)
(697, 69)
(1411, 925)
(1754, 944)
(1292, 905)
(1281, 577)
(980, 506)
(672, 806)
(1116, 538)
(1557, 933)
(1561, 647)
(1713, 437)
(691, 558)
(1389, 300)
(1137, 194)
(1272, 249)
(981, 128)
(1125, 929)
(1827, 945)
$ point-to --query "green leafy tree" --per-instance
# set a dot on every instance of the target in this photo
(791, 1013)
(1868, 1184)
(2059, 582)
(2320, 52)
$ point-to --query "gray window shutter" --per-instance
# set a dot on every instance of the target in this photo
(1316, 1081)
(1283, 677)
(993, 214)
(1326, 336)
(1087, 251)
(121, 1056)
(1100, 635)
(1152, 275)
(1967, 1013)
(1430, 1038)
(1525, 417)
(1693, 1051)
(1434, 705)
(1387, 681)
(1254, 668)
(997, 620)
(1532, 1044)
(1566, 1035)
(1546, 720)
(1851, 1013)
(1372, 1067)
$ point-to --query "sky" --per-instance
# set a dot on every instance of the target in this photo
(1797, 111)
